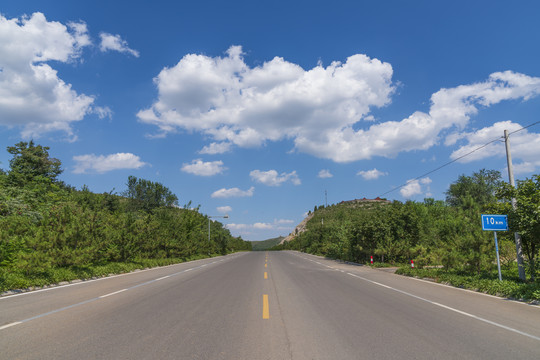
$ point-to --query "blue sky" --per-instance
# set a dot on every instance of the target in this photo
(255, 110)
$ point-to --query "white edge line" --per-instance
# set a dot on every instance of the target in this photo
(468, 290)
(444, 306)
(442, 284)
(113, 293)
(9, 325)
(449, 308)
(80, 282)
(99, 297)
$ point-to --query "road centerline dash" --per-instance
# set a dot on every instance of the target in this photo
(266, 308)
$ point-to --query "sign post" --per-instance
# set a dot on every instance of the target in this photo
(495, 223)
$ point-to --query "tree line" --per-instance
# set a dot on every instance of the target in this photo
(433, 232)
(48, 228)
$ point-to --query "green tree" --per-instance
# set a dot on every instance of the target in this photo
(525, 218)
(31, 162)
(148, 195)
(480, 187)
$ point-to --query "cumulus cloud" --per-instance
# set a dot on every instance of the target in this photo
(248, 228)
(32, 96)
(525, 146)
(231, 102)
(262, 226)
(325, 174)
(216, 148)
(237, 226)
(105, 163)
(414, 187)
(325, 111)
(233, 192)
(201, 168)
(224, 209)
(373, 174)
(272, 178)
(110, 42)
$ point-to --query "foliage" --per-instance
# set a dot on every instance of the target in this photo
(50, 232)
(31, 162)
(525, 218)
(147, 195)
(479, 188)
(486, 282)
(433, 233)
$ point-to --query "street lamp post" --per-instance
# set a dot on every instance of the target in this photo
(214, 216)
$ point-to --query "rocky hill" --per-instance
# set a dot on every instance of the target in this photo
(299, 229)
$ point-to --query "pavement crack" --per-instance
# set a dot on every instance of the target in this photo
(282, 320)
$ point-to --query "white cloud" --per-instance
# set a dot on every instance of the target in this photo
(325, 111)
(283, 221)
(102, 163)
(271, 177)
(525, 146)
(263, 226)
(102, 111)
(237, 226)
(249, 228)
(201, 168)
(414, 187)
(226, 99)
(115, 43)
(325, 174)
(525, 167)
(224, 209)
(233, 192)
(373, 174)
(216, 148)
(32, 96)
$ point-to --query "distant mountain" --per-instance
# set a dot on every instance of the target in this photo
(265, 244)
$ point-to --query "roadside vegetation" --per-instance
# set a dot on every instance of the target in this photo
(444, 238)
(51, 232)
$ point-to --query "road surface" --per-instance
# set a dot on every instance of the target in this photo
(265, 305)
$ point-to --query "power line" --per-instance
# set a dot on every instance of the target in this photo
(459, 158)
(523, 128)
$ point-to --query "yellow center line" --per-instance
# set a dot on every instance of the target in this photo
(265, 275)
(266, 310)
(265, 265)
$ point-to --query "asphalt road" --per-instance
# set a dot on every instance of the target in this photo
(275, 305)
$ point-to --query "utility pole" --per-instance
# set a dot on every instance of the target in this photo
(517, 237)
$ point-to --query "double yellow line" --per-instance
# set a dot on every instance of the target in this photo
(266, 307)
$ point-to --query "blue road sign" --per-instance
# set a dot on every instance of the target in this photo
(494, 222)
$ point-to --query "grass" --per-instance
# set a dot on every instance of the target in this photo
(487, 282)
(10, 280)
(382, 265)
